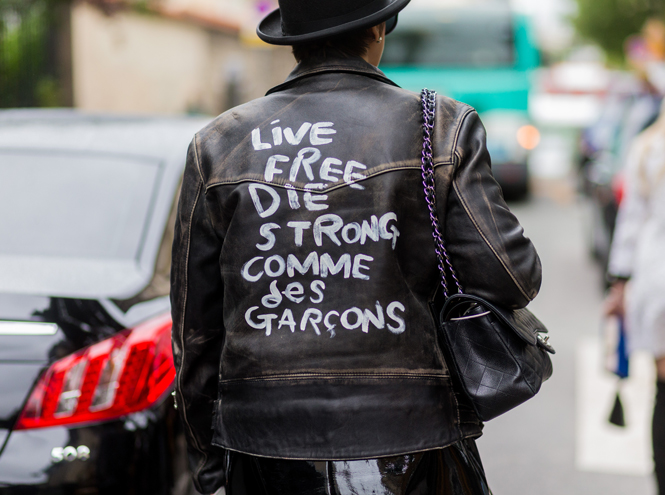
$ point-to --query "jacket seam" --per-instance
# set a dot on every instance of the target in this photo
(196, 158)
(442, 163)
(459, 416)
(343, 458)
(303, 189)
(203, 461)
(453, 150)
(338, 376)
(487, 241)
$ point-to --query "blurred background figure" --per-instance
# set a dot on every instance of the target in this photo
(631, 103)
(638, 255)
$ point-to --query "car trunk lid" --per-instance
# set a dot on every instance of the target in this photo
(31, 337)
(25, 350)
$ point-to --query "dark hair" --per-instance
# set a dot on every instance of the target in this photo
(345, 45)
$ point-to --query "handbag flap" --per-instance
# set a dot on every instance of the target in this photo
(521, 321)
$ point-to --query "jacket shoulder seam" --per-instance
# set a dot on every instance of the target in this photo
(487, 241)
(458, 131)
(196, 159)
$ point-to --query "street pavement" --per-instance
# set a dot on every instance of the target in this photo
(560, 442)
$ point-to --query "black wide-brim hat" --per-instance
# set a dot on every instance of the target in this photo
(296, 21)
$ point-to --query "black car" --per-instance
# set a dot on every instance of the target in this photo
(87, 208)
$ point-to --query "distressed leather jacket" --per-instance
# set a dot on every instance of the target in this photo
(304, 271)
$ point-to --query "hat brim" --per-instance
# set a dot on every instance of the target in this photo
(391, 24)
(270, 28)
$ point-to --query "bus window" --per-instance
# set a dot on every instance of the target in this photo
(459, 41)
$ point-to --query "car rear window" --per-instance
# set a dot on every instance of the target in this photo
(450, 39)
(74, 205)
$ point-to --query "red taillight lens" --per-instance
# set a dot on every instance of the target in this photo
(126, 373)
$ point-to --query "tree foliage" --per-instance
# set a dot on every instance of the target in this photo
(609, 22)
(28, 66)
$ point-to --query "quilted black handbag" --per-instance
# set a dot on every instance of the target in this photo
(499, 357)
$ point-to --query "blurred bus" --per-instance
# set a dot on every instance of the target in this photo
(483, 55)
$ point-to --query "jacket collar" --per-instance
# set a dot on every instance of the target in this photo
(311, 68)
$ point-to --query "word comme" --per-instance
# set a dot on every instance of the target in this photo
(275, 266)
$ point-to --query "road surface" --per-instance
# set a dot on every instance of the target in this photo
(560, 443)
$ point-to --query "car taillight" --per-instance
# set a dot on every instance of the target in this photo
(618, 187)
(125, 373)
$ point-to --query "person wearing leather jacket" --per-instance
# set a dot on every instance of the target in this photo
(304, 274)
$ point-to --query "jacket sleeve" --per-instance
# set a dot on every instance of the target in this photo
(198, 331)
(486, 243)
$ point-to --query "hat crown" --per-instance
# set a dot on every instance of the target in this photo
(299, 21)
(304, 16)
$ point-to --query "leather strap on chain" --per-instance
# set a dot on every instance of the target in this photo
(428, 99)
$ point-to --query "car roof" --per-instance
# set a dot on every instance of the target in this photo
(71, 130)
(162, 140)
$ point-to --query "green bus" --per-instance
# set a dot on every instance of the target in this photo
(486, 57)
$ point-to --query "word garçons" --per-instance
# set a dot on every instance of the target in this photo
(350, 319)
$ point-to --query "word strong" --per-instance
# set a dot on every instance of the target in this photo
(296, 298)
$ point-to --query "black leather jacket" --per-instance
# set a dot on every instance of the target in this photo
(304, 266)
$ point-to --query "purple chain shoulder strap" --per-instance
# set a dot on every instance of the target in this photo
(443, 260)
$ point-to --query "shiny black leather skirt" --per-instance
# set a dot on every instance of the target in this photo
(456, 470)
